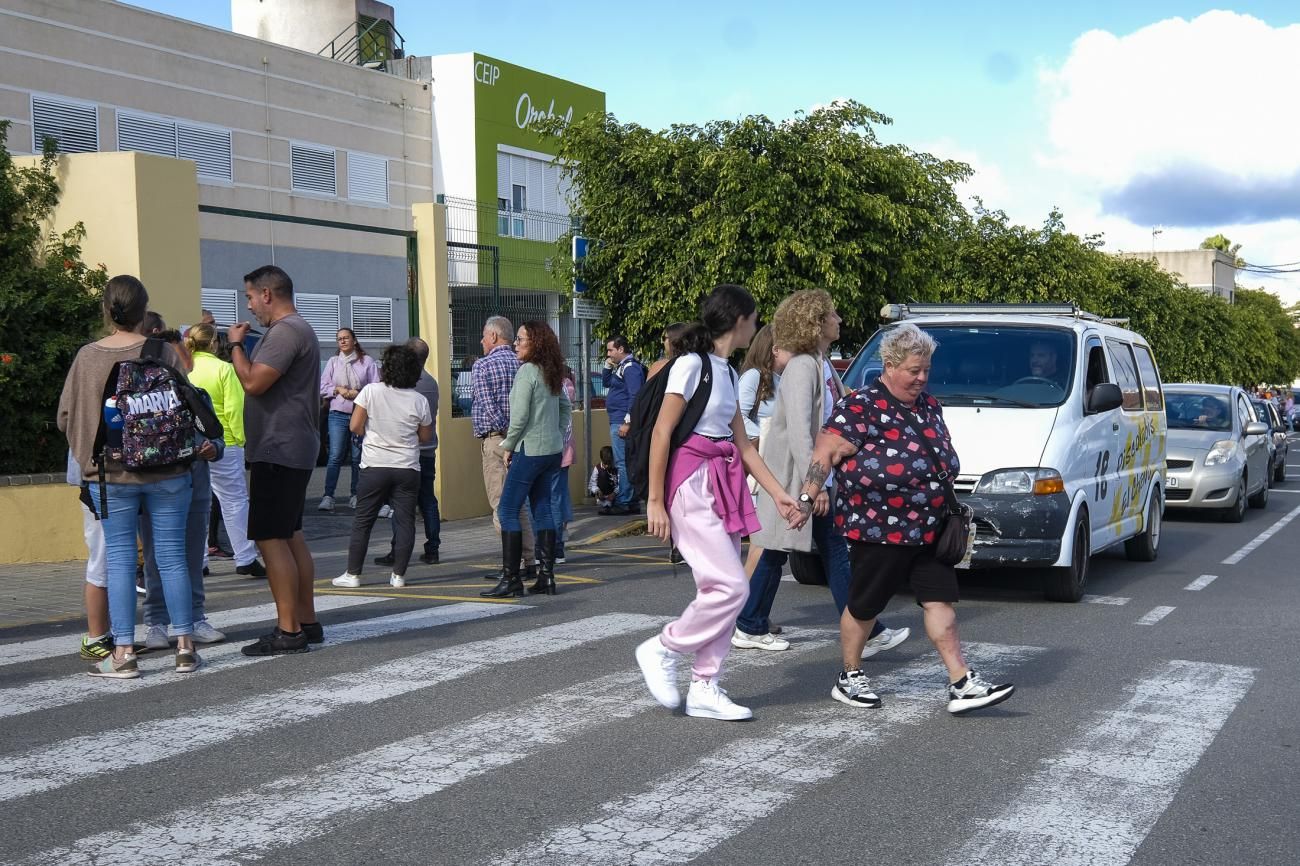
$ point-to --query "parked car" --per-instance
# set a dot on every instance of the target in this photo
(1058, 417)
(1218, 452)
(1279, 448)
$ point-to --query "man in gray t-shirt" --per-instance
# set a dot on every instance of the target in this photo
(281, 411)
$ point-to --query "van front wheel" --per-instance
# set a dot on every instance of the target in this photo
(1146, 546)
(1066, 584)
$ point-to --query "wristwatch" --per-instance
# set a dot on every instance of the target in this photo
(804, 498)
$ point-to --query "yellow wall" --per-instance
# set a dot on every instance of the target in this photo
(141, 215)
(42, 523)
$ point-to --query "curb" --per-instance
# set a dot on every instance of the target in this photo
(631, 527)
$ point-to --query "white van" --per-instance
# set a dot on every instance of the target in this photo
(1058, 419)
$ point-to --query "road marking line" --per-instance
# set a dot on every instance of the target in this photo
(65, 645)
(376, 594)
(1155, 614)
(61, 691)
(681, 816)
(1263, 537)
(1202, 582)
(76, 758)
(1094, 803)
(1106, 599)
(1280, 490)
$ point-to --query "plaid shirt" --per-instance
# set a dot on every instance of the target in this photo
(492, 376)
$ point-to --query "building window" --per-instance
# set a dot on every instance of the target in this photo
(532, 196)
(321, 312)
(313, 170)
(367, 178)
(223, 304)
(207, 147)
(372, 319)
(74, 126)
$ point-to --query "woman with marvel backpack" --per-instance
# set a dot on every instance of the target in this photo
(698, 497)
(163, 493)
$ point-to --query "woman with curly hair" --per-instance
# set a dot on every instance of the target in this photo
(394, 418)
(804, 327)
(534, 446)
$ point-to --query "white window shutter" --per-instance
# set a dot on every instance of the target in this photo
(372, 320)
(503, 175)
(144, 134)
(223, 304)
(312, 169)
(74, 125)
(208, 148)
(367, 177)
(321, 312)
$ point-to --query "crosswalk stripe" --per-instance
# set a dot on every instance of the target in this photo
(1106, 599)
(1155, 614)
(682, 815)
(64, 690)
(1201, 582)
(1094, 803)
(77, 758)
(314, 803)
(64, 645)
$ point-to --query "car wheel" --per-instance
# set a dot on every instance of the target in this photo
(1146, 547)
(1067, 584)
(1260, 499)
(1236, 512)
(807, 568)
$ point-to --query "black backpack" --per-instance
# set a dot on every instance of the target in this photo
(644, 413)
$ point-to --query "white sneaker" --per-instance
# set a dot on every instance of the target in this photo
(396, 580)
(156, 637)
(352, 503)
(326, 504)
(972, 692)
(706, 701)
(204, 632)
(745, 640)
(659, 667)
(887, 639)
(385, 512)
(347, 579)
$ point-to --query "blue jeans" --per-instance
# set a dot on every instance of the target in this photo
(341, 439)
(561, 510)
(531, 478)
(623, 498)
(754, 617)
(168, 503)
(427, 503)
(196, 539)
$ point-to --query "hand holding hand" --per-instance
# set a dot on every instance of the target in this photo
(656, 519)
(822, 503)
(789, 509)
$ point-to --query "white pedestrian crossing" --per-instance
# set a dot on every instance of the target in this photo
(687, 813)
(78, 758)
(19, 652)
(69, 689)
(1093, 803)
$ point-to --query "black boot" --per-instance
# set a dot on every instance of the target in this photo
(512, 544)
(545, 583)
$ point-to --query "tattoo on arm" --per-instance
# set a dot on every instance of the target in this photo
(817, 474)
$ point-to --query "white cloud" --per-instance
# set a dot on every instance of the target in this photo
(987, 181)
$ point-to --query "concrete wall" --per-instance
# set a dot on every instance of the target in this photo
(42, 524)
(1210, 271)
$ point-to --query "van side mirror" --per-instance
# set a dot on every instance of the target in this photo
(1256, 428)
(1103, 397)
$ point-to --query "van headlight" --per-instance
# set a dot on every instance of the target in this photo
(1026, 482)
(1221, 452)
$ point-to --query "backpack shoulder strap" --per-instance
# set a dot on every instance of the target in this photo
(153, 348)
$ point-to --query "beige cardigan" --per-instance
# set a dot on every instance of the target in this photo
(787, 448)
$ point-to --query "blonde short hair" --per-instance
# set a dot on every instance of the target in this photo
(904, 341)
(797, 324)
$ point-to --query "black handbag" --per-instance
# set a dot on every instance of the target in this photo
(954, 528)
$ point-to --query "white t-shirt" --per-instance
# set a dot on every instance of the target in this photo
(683, 378)
(394, 417)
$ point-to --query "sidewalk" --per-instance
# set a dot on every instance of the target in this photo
(48, 596)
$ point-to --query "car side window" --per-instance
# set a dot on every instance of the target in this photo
(1096, 366)
(1126, 375)
(1152, 395)
(1244, 413)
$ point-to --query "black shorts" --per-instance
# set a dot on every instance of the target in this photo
(276, 495)
(881, 570)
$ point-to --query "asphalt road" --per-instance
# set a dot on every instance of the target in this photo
(1158, 723)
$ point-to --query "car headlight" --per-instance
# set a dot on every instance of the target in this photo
(1221, 452)
(1035, 482)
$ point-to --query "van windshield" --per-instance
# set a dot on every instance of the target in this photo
(979, 365)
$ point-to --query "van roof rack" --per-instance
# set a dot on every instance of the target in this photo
(899, 312)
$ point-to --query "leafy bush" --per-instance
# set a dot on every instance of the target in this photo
(49, 307)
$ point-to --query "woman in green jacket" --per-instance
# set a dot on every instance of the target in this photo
(539, 417)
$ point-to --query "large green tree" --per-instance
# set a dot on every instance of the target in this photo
(49, 306)
(816, 201)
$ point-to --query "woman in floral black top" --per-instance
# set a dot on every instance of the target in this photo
(889, 505)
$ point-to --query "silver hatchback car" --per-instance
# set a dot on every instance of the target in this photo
(1217, 453)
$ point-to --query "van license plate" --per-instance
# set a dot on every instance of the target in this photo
(1171, 481)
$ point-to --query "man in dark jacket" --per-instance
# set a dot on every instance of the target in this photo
(622, 377)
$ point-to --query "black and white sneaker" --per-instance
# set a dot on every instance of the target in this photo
(853, 688)
(971, 692)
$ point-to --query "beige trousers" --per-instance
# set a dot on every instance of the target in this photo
(494, 479)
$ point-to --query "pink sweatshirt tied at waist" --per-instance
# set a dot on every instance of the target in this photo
(731, 500)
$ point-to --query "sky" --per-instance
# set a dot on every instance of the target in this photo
(1153, 123)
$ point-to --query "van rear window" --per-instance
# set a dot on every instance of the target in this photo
(979, 365)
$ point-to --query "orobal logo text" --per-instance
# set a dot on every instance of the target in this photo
(526, 114)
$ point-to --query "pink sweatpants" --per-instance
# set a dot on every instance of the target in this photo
(706, 626)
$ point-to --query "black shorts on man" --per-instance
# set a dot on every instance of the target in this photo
(275, 500)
